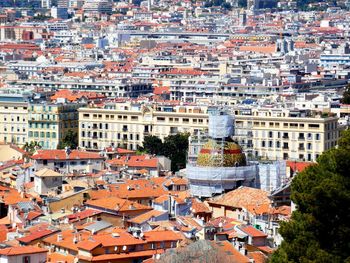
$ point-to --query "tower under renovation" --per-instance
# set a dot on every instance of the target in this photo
(220, 164)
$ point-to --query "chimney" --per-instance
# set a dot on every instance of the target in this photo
(59, 237)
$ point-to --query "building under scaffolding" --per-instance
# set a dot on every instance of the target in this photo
(216, 163)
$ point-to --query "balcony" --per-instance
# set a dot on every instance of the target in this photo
(285, 137)
(285, 148)
(301, 148)
(301, 138)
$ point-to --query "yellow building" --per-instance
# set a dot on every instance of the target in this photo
(273, 134)
(126, 124)
(48, 123)
(277, 134)
(13, 120)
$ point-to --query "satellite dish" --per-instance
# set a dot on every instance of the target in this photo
(141, 235)
(220, 224)
(124, 248)
(158, 256)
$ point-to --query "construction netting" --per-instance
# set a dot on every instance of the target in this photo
(220, 126)
(207, 181)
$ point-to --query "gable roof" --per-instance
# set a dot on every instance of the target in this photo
(14, 251)
(146, 216)
(117, 204)
(45, 172)
(254, 200)
(61, 155)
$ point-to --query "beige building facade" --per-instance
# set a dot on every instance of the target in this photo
(272, 134)
(14, 122)
(126, 125)
(277, 134)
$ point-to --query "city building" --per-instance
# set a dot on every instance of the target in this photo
(281, 134)
(13, 119)
(221, 164)
(48, 123)
(126, 124)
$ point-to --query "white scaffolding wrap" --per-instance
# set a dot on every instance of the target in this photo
(220, 126)
(207, 181)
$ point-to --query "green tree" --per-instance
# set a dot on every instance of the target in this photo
(70, 140)
(346, 95)
(319, 231)
(175, 148)
(31, 147)
(152, 145)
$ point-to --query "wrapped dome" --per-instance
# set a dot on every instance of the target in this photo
(213, 155)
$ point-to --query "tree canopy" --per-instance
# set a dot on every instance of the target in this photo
(174, 147)
(31, 147)
(70, 140)
(319, 230)
(346, 95)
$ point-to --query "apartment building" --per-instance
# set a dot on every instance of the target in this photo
(13, 119)
(277, 134)
(48, 123)
(125, 124)
(121, 87)
(273, 134)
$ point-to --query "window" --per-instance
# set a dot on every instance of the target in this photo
(318, 136)
(26, 259)
(314, 126)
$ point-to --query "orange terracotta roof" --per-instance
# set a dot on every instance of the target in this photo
(117, 204)
(258, 49)
(61, 155)
(233, 255)
(162, 235)
(146, 216)
(258, 257)
(254, 200)
(58, 258)
(14, 251)
(142, 161)
(138, 254)
(298, 166)
(36, 235)
(199, 207)
(252, 231)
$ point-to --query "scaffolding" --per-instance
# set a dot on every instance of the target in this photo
(216, 173)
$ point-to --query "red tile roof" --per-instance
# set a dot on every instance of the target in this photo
(298, 166)
(82, 215)
(252, 231)
(162, 235)
(14, 251)
(117, 204)
(61, 155)
(36, 235)
(140, 161)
